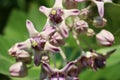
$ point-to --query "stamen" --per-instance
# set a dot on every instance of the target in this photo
(34, 43)
(53, 12)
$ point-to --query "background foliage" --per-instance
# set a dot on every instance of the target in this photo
(13, 15)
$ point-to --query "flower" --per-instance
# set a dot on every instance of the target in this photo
(100, 5)
(40, 41)
(57, 15)
(94, 60)
(105, 38)
(56, 74)
(18, 70)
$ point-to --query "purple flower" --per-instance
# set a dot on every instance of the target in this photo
(55, 74)
(57, 15)
(40, 41)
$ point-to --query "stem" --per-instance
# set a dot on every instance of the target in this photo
(63, 55)
(77, 40)
(53, 59)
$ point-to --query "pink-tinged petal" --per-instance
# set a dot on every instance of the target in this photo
(22, 54)
(80, 0)
(71, 12)
(12, 51)
(32, 31)
(36, 57)
(45, 10)
(26, 45)
(18, 70)
(58, 4)
(107, 0)
(51, 48)
(47, 68)
(100, 6)
(47, 24)
(67, 67)
(64, 30)
(47, 32)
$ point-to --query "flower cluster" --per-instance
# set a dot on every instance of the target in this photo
(40, 45)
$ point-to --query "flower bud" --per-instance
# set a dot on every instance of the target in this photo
(23, 56)
(105, 38)
(99, 22)
(18, 70)
(90, 32)
(56, 39)
(81, 26)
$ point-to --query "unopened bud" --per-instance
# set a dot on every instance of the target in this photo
(56, 39)
(18, 70)
(23, 56)
(81, 26)
(99, 22)
(90, 32)
(105, 38)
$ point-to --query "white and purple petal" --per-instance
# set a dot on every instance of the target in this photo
(71, 12)
(100, 6)
(45, 10)
(58, 4)
(32, 31)
(64, 30)
(51, 48)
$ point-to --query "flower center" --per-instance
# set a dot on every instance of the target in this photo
(38, 43)
(56, 16)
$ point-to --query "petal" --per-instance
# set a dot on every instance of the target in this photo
(100, 6)
(36, 57)
(80, 0)
(47, 32)
(22, 54)
(26, 45)
(107, 0)
(58, 4)
(71, 12)
(47, 68)
(45, 10)
(64, 31)
(109, 53)
(51, 48)
(32, 31)
(67, 67)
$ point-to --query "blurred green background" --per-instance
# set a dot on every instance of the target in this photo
(13, 15)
